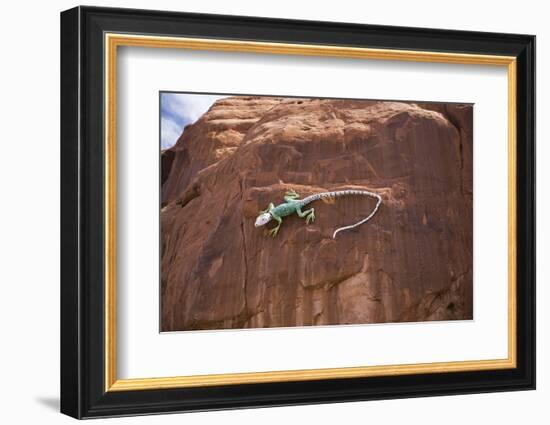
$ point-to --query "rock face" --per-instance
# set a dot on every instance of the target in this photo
(411, 262)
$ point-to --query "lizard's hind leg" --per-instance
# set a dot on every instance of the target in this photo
(309, 214)
(291, 195)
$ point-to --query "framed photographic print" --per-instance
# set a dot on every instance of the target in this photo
(261, 212)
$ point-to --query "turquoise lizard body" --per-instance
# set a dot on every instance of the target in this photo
(293, 205)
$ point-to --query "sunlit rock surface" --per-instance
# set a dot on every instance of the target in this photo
(411, 262)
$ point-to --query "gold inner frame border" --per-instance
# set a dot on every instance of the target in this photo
(111, 43)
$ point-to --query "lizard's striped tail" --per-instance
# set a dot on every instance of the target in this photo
(347, 192)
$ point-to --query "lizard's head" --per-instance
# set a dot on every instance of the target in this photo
(263, 219)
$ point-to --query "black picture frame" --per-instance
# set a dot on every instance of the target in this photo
(83, 392)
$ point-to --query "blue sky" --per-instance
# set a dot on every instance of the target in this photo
(178, 110)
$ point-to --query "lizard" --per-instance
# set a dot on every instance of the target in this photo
(293, 205)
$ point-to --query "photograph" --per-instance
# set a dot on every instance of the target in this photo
(281, 212)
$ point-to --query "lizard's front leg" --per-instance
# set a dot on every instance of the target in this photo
(309, 213)
(273, 232)
(269, 208)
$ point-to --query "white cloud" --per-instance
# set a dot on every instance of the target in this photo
(179, 110)
(169, 133)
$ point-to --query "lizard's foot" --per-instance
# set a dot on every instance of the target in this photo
(310, 217)
(273, 232)
(292, 194)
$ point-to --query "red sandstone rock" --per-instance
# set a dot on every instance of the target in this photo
(411, 262)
